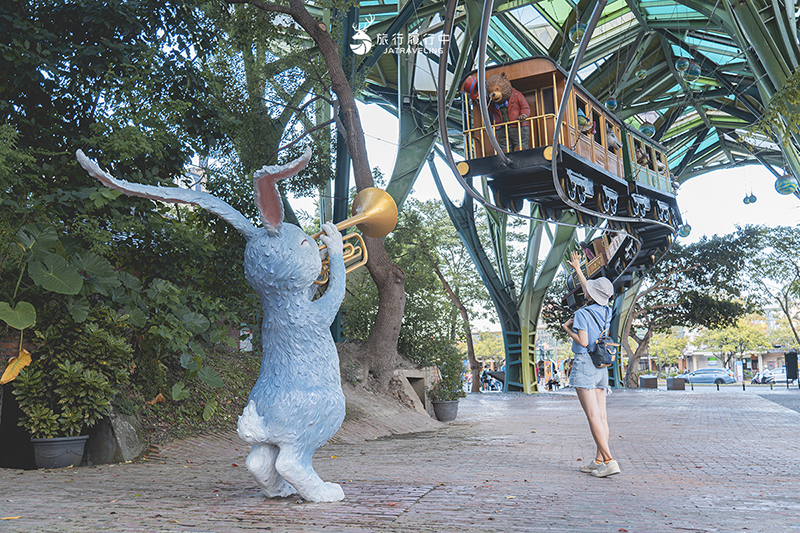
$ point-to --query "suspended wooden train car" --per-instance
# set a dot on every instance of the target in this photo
(605, 169)
(606, 256)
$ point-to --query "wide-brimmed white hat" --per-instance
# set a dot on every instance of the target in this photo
(600, 290)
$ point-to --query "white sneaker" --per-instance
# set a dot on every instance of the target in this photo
(607, 469)
(589, 467)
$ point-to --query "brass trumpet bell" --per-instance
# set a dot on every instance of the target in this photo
(375, 215)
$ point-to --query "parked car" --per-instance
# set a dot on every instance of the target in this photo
(779, 374)
(709, 375)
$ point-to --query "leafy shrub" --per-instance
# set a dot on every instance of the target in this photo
(74, 374)
(450, 362)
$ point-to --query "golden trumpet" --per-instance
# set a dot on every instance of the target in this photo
(375, 215)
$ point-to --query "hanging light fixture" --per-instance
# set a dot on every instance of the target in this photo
(641, 73)
(786, 184)
(684, 230)
(611, 104)
(576, 32)
(681, 64)
(692, 72)
(647, 129)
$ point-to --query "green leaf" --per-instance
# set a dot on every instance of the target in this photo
(55, 274)
(138, 318)
(129, 281)
(195, 322)
(79, 309)
(22, 316)
(38, 238)
(210, 409)
(103, 195)
(196, 349)
(210, 377)
(179, 391)
(97, 270)
(191, 362)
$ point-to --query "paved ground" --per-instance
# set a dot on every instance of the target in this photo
(696, 461)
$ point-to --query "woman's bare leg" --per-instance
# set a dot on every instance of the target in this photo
(593, 402)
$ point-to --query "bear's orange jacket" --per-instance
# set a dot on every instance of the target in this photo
(517, 105)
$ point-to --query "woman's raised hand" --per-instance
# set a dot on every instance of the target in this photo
(575, 262)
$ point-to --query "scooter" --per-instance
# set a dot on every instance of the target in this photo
(763, 378)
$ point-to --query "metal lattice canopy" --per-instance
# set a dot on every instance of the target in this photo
(742, 52)
(699, 73)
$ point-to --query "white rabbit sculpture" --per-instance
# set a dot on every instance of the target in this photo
(297, 403)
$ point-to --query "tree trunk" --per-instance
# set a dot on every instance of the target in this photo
(474, 365)
(632, 372)
(381, 345)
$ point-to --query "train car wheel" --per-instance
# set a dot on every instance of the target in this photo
(570, 188)
(605, 204)
(659, 214)
(601, 203)
(633, 208)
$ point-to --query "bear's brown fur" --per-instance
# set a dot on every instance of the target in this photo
(499, 87)
(508, 106)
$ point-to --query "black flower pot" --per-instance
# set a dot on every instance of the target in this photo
(59, 452)
(445, 411)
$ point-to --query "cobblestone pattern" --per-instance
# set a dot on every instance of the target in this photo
(697, 461)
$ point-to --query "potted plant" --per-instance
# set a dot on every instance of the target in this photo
(75, 371)
(445, 393)
(51, 291)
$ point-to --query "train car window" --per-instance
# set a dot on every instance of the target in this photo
(612, 139)
(548, 102)
(641, 158)
(533, 101)
(583, 120)
(598, 127)
(660, 161)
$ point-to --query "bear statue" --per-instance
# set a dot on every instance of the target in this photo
(508, 105)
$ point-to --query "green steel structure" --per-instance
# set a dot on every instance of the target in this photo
(701, 72)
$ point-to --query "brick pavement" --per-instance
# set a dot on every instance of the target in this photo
(697, 461)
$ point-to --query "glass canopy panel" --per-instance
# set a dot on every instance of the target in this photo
(507, 41)
(555, 11)
(537, 25)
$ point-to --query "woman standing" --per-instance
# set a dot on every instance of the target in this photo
(590, 382)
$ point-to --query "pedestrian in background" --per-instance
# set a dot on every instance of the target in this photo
(590, 382)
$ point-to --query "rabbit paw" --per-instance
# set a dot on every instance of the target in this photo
(281, 490)
(332, 239)
(326, 492)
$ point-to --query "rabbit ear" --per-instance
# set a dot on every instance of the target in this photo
(208, 202)
(268, 199)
